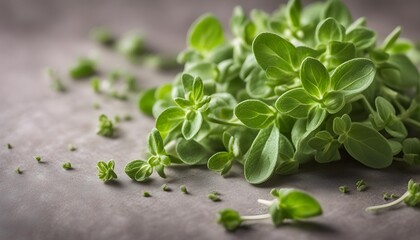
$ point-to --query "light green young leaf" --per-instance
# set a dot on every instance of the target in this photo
(333, 101)
(315, 77)
(169, 119)
(255, 113)
(294, 8)
(329, 30)
(297, 204)
(206, 33)
(353, 76)
(391, 38)
(220, 162)
(368, 146)
(262, 157)
(295, 103)
(138, 170)
(341, 125)
(155, 141)
(316, 117)
(192, 124)
(339, 52)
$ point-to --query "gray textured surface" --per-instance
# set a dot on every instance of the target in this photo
(46, 202)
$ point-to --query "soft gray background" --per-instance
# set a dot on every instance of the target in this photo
(46, 202)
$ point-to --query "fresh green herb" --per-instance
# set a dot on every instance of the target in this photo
(411, 198)
(184, 189)
(289, 203)
(95, 83)
(388, 196)
(71, 147)
(214, 196)
(106, 171)
(56, 83)
(38, 158)
(344, 189)
(102, 36)
(166, 188)
(361, 186)
(18, 170)
(9, 146)
(67, 166)
(83, 68)
(131, 45)
(140, 170)
(289, 87)
(105, 126)
(146, 194)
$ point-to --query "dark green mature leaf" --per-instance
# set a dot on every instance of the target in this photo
(361, 37)
(315, 77)
(262, 157)
(206, 34)
(295, 103)
(255, 114)
(391, 38)
(368, 146)
(294, 8)
(220, 162)
(353, 76)
(146, 101)
(409, 73)
(340, 52)
(192, 152)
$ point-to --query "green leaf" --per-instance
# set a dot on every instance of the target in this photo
(385, 109)
(83, 68)
(106, 171)
(341, 125)
(220, 161)
(169, 119)
(297, 204)
(262, 157)
(368, 146)
(255, 113)
(138, 170)
(340, 52)
(329, 30)
(277, 214)
(197, 92)
(206, 33)
(333, 102)
(271, 50)
(409, 73)
(294, 8)
(192, 124)
(295, 103)
(192, 152)
(156, 146)
(396, 129)
(337, 10)
(316, 117)
(230, 219)
(391, 38)
(361, 37)
(353, 76)
(315, 77)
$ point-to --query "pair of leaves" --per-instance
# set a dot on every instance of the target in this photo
(363, 143)
(140, 170)
(222, 161)
(293, 204)
(106, 171)
(385, 118)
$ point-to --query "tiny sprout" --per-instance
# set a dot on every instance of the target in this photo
(18, 170)
(9, 146)
(128, 117)
(96, 105)
(166, 188)
(67, 166)
(184, 189)
(361, 186)
(71, 147)
(38, 158)
(344, 189)
(117, 119)
(106, 171)
(105, 126)
(95, 83)
(214, 196)
(146, 194)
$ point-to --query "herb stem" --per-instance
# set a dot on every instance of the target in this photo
(387, 205)
(266, 202)
(365, 101)
(255, 217)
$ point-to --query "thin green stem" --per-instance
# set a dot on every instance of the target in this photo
(365, 101)
(256, 217)
(266, 202)
(387, 205)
